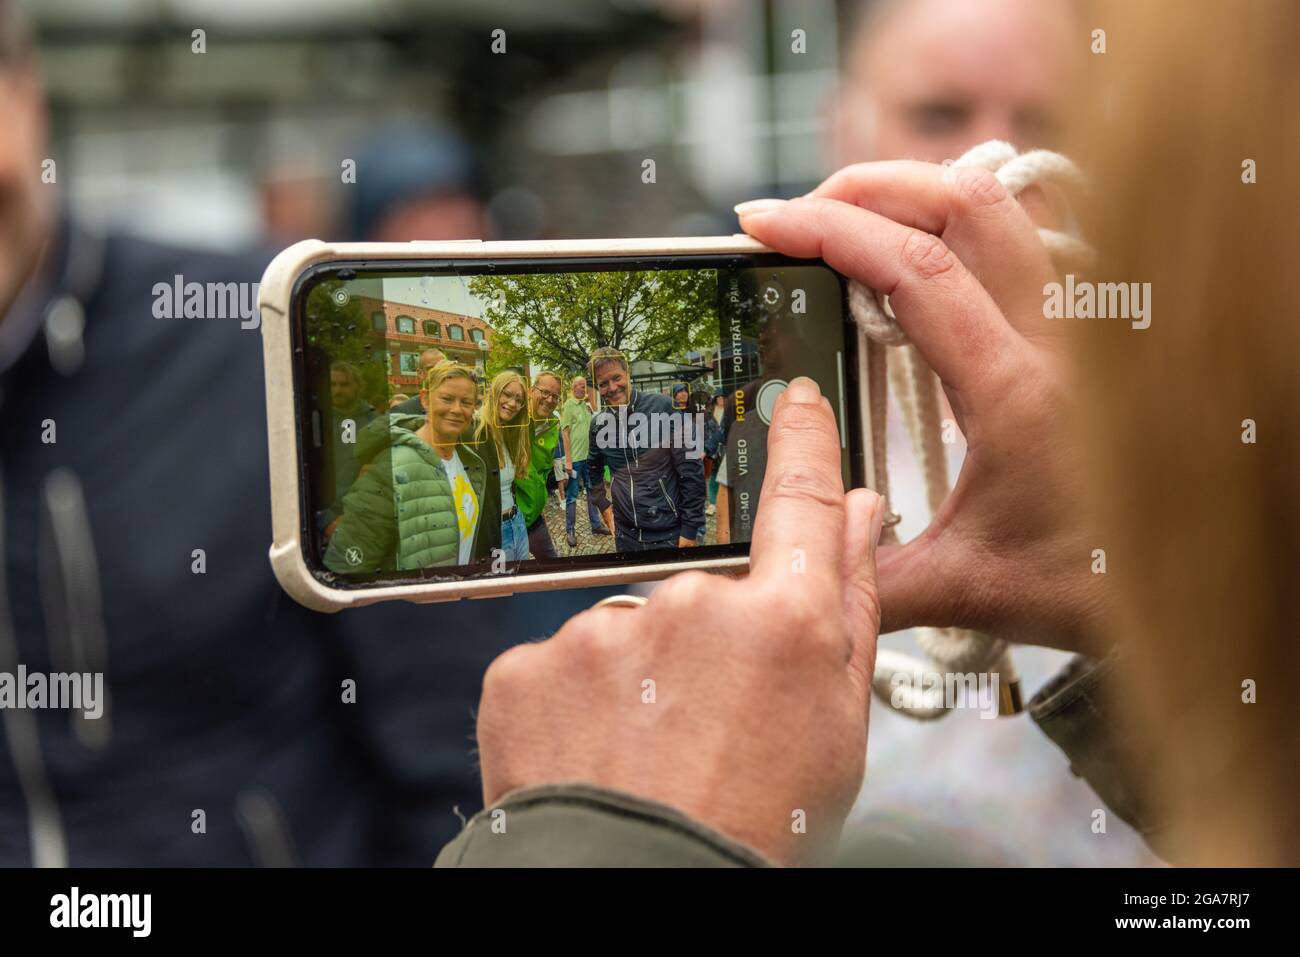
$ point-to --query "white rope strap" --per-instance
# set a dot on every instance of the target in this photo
(1016, 172)
(952, 650)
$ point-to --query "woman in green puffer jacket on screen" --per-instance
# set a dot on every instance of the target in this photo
(420, 499)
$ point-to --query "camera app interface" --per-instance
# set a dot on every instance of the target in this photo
(476, 422)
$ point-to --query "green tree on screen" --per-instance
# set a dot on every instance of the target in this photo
(557, 319)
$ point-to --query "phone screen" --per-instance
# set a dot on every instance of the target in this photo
(483, 418)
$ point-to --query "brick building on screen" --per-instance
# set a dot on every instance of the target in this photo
(400, 332)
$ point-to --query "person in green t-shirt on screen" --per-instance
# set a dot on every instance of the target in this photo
(575, 425)
(530, 489)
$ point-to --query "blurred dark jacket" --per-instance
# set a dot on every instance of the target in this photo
(654, 491)
(224, 696)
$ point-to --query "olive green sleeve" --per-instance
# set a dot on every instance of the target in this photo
(579, 825)
(1076, 709)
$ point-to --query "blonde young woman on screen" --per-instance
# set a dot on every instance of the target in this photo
(503, 432)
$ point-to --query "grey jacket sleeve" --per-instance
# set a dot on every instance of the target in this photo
(1075, 709)
(579, 825)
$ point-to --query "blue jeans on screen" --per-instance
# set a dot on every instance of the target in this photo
(514, 538)
(581, 480)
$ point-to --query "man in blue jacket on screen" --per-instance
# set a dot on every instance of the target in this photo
(655, 456)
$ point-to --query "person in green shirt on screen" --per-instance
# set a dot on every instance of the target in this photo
(530, 488)
(575, 426)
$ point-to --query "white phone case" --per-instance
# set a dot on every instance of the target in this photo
(274, 302)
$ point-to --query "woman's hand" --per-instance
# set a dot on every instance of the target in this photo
(964, 268)
(740, 702)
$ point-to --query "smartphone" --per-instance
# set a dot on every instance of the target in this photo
(471, 419)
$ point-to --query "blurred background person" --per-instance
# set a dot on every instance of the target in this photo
(136, 547)
(292, 183)
(417, 182)
(927, 80)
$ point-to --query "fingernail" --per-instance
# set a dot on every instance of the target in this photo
(877, 520)
(803, 390)
(756, 206)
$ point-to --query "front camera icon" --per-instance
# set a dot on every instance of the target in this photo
(771, 295)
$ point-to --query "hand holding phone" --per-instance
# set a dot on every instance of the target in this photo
(1008, 553)
(747, 730)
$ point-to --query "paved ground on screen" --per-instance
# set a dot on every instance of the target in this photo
(589, 544)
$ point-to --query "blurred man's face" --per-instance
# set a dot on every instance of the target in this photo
(580, 388)
(343, 390)
(432, 218)
(937, 77)
(24, 200)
